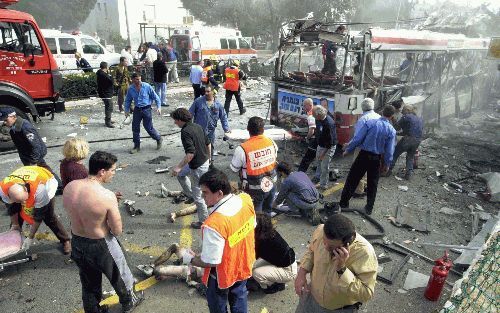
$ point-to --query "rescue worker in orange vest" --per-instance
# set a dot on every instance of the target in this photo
(232, 85)
(255, 160)
(207, 77)
(29, 194)
(228, 244)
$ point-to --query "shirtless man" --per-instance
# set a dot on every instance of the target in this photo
(95, 221)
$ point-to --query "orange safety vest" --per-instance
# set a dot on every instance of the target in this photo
(261, 155)
(232, 79)
(238, 255)
(32, 175)
(204, 74)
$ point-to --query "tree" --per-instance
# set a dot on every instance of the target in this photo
(255, 17)
(54, 13)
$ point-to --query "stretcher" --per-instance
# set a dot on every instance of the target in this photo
(275, 133)
(10, 247)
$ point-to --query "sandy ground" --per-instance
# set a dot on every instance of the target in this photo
(51, 283)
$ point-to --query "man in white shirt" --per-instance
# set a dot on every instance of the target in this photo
(310, 154)
(126, 52)
(29, 192)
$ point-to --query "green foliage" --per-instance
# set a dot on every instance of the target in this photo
(54, 13)
(79, 86)
(117, 40)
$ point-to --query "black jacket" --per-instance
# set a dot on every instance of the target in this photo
(159, 71)
(29, 145)
(104, 84)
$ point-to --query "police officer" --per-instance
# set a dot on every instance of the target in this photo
(232, 85)
(28, 142)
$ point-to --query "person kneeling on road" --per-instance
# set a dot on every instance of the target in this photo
(299, 193)
(29, 194)
(275, 264)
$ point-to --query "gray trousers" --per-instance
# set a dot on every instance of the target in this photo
(108, 109)
(190, 184)
(307, 304)
(323, 167)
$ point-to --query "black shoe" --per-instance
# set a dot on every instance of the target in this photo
(196, 225)
(315, 180)
(359, 195)
(189, 201)
(368, 210)
(332, 176)
(243, 111)
(253, 285)
(158, 143)
(387, 174)
(315, 217)
(274, 288)
(137, 298)
(408, 176)
(109, 125)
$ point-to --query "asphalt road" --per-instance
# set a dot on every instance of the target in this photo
(51, 283)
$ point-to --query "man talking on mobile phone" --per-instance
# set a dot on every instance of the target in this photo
(342, 267)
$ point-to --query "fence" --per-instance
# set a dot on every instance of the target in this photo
(479, 290)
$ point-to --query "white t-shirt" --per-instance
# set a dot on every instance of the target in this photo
(239, 161)
(213, 243)
(311, 121)
(43, 194)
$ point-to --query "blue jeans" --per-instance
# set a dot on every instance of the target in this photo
(191, 187)
(236, 295)
(161, 90)
(262, 201)
(323, 167)
(143, 114)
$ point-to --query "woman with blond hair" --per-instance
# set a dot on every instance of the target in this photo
(75, 151)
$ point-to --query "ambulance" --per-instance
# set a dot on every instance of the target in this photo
(63, 46)
(198, 43)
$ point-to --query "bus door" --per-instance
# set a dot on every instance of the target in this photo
(24, 61)
(195, 49)
(182, 45)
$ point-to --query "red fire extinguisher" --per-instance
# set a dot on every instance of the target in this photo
(438, 277)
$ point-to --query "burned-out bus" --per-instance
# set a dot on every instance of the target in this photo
(442, 74)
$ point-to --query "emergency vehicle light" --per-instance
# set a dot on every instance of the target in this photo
(6, 3)
(197, 33)
(186, 32)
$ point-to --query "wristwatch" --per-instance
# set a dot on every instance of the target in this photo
(341, 271)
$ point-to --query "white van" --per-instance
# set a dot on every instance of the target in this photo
(63, 46)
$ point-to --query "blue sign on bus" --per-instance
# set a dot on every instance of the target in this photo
(291, 103)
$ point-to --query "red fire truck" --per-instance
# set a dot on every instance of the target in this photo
(29, 78)
(441, 74)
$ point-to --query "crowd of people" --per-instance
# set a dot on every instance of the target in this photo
(241, 249)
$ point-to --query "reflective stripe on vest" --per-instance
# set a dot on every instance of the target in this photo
(261, 155)
(204, 74)
(239, 249)
(34, 176)
(232, 79)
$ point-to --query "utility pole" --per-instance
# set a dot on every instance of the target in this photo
(126, 22)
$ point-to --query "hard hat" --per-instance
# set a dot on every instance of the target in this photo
(236, 62)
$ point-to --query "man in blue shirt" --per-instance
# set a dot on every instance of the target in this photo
(375, 138)
(411, 127)
(143, 95)
(299, 192)
(195, 78)
(207, 111)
